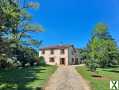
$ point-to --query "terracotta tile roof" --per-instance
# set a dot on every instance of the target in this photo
(56, 47)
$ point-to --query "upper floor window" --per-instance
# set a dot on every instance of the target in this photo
(74, 51)
(43, 51)
(62, 51)
(51, 59)
(52, 51)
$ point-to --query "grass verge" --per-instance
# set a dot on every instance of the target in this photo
(99, 83)
(25, 79)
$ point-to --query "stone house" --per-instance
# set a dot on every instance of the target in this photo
(60, 55)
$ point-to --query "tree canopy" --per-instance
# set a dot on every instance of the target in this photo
(102, 50)
(15, 27)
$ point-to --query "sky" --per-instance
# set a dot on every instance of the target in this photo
(72, 21)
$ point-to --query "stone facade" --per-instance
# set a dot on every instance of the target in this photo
(60, 55)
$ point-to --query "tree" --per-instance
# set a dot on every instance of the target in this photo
(101, 32)
(102, 49)
(15, 26)
(83, 55)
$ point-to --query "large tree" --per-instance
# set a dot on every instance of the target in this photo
(15, 26)
(102, 49)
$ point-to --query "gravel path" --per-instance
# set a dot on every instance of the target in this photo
(66, 78)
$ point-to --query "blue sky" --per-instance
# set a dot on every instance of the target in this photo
(72, 21)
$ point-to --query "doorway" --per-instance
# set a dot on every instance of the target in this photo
(62, 61)
(76, 61)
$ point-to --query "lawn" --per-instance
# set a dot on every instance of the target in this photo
(25, 79)
(99, 83)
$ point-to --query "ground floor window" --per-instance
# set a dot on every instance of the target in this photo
(76, 61)
(73, 61)
(51, 59)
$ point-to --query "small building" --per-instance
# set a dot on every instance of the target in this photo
(60, 55)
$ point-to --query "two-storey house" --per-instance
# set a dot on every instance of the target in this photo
(60, 55)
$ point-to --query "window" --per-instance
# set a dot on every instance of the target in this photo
(62, 51)
(43, 51)
(62, 61)
(76, 61)
(72, 59)
(52, 51)
(51, 60)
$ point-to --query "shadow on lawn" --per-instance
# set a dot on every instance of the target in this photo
(17, 79)
(115, 71)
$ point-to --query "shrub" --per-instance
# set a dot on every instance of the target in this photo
(42, 61)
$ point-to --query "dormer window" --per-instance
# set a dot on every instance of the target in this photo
(62, 51)
(52, 51)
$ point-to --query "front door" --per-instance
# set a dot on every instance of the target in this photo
(76, 61)
(62, 61)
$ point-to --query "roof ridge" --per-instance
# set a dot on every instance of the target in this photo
(56, 47)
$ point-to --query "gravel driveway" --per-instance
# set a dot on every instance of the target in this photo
(66, 78)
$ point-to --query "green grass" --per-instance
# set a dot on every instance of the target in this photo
(25, 79)
(99, 83)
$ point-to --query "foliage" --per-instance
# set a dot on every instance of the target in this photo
(82, 55)
(102, 50)
(42, 61)
(15, 28)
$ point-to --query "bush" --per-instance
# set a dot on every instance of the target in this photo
(42, 61)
